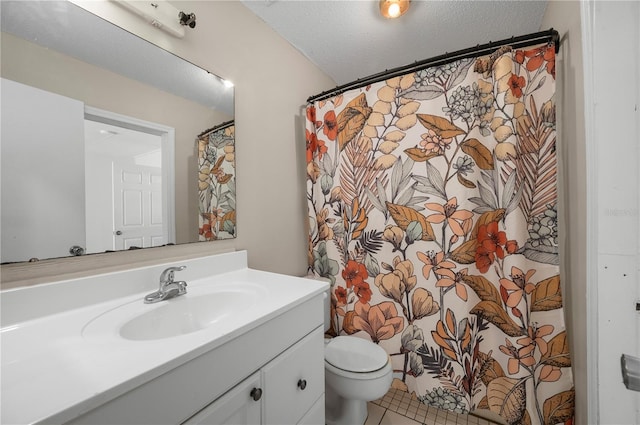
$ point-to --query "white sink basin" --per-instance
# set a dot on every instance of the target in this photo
(199, 309)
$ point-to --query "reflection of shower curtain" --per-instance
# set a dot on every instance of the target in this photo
(216, 183)
(433, 212)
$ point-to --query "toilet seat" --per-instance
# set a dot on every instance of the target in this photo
(355, 355)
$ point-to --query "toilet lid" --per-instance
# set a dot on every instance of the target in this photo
(355, 354)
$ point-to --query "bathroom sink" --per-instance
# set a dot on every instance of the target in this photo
(199, 309)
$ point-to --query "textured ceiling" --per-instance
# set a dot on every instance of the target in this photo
(348, 39)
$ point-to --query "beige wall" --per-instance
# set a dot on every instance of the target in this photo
(46, 69)
(564, 16)
(272, 80)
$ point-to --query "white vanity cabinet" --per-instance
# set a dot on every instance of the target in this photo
(294, 381)
(282, 356)
(66, 358)
(288, 390)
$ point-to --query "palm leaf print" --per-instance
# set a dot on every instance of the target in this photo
(535, 163)
(358, 173)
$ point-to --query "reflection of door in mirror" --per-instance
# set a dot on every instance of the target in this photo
(124, 186)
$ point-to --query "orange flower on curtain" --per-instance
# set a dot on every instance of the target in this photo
(433, 213)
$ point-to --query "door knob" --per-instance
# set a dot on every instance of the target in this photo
(256, 394)
(302, 384)
(118, 232)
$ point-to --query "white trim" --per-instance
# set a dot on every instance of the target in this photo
(167, 135)
(587, 14)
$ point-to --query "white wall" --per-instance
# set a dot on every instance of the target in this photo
(612, 101)
(564, 16)
(99, 202)
(273, 81)
(42, 156)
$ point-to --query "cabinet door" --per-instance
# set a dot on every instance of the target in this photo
(315, 415)
(294, 380)
(239, 406)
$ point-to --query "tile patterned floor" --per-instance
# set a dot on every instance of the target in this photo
(400, 408)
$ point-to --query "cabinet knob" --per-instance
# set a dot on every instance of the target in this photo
(302, 384)
(256, 394)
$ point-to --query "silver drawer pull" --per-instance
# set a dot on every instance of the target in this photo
(302, 384)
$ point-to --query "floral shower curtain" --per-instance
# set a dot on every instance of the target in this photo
(433, 211)
(217, 183)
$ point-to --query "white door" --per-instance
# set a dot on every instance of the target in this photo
(137, 194)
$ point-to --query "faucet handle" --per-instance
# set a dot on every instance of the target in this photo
(167, 274)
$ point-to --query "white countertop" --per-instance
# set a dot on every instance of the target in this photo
(50, 370)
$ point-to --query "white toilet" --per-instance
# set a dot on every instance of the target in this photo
(356, 371)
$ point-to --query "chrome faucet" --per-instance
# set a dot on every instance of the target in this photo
(168, 287)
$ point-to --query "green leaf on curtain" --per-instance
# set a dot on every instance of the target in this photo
(382, 194)
(323, 265)
(495, 314)
(406, 196)
(371, 264)
(557, 351)
(428, 92)
(509, 188)
(485, 290)
(352, 119)
(374, 200)
(479, 152)
(403, 216)
(326, 183)
(436, 180)
(414, 232)
(412, 338)
(327, 166)
(229, 227)
(541, 253)
(547, 295)
(508, 398)
(559, 408)
(460, 72)
(440, 125)
(465, 253)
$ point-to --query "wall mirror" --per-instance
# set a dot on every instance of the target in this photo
(108, 141)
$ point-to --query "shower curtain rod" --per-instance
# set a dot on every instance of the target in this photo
(217, 127)
(549, 36)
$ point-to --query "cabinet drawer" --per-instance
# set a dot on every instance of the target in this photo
(235, 407)
(294, 381)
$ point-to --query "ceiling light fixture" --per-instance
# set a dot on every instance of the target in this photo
(161, 14)
(393, 8)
